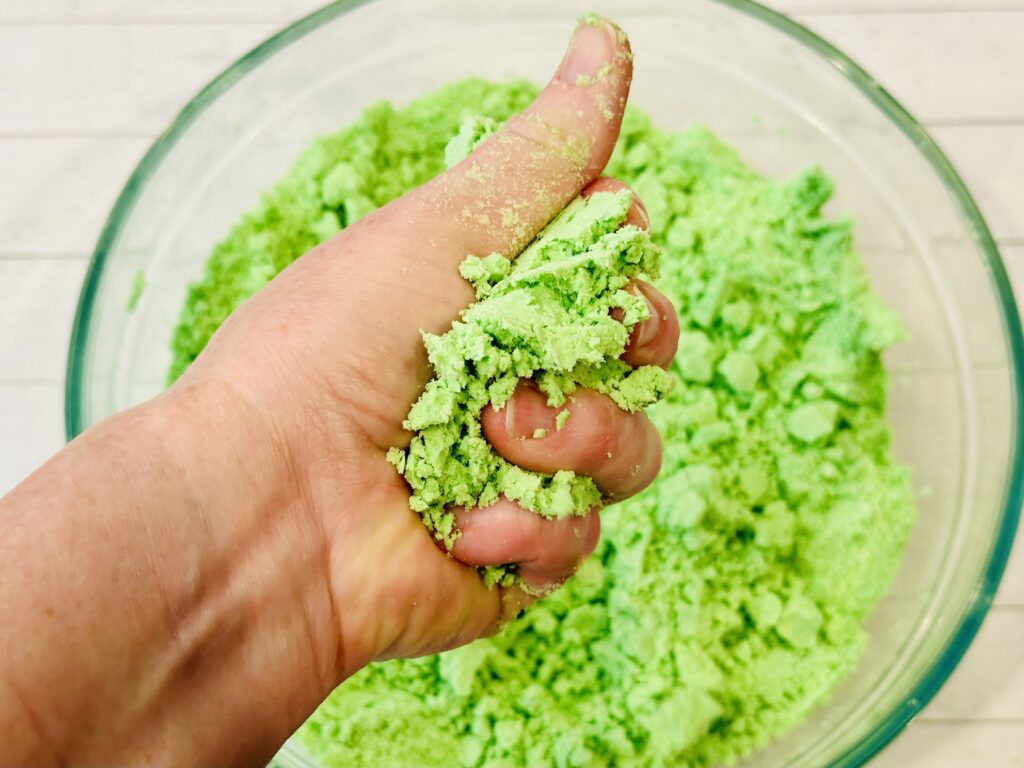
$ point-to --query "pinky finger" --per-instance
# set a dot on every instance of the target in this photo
(545, 552)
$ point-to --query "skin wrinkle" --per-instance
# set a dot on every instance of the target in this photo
(170, 609)
(196, 626)
(610, 461)
(540, 144)
(549, 143)
(320, 671)
(207, 620)
(327, 673)
(175, 612)
(34, 723)
(405, 626)
(352, 413)
(362, 377)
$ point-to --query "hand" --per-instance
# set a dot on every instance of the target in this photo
(241, 546)
(330, 353)
(332, 349)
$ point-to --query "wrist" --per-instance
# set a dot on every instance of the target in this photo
(246, 581)
(190, 587)
(296, 448)
(250, 483)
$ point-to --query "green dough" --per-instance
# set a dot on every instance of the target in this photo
(810, 422)
(474, 129)
(724, 603)
(546, 316)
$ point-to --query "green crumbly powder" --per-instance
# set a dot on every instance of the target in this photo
(724, 603)
(545, 316)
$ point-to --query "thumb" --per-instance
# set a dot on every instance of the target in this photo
(502, 195)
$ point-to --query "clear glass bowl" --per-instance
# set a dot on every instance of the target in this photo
(781, 95)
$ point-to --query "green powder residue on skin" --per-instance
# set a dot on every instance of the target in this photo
(335, 182)
(724, 603)
(545, 316)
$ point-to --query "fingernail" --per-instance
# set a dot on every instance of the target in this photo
(587, 530)
(581, 528)
(510, 417)
(527, 412)
(642, 212)
(590, 52)
(651, 327)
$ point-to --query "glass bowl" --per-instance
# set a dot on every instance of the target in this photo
(785, 99)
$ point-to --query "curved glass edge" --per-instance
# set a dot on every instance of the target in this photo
(962, 636)
(893, 723)
(125, 203)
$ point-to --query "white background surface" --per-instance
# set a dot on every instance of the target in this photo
(85, 85)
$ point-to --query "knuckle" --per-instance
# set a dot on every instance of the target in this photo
(535, 131)
(531, 527)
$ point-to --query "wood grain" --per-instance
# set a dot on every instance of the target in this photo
(102, 79)
(37, 304)
(133, 11)
(882, 7)
(958, 744)
(944, 67)
(32, 425)
(989, 683)
(192, 11)
(990, 158)
(56, 193)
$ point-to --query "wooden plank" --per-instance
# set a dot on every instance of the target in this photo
(32, 426)
(90, 79)
(189, 11)
(919, 56)
(988, 684)
(932, 744)
(952, 67)
(56, 193)
(37, 305)
(891, 6)
(906, 51)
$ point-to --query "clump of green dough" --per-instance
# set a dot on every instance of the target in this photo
(724, 603)
(545, 316)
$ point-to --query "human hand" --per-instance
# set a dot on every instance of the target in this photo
(329, 354)
(188, 579)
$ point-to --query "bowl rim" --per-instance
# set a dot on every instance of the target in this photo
(890, 725)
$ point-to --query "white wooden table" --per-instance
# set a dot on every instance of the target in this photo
(85, 85)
